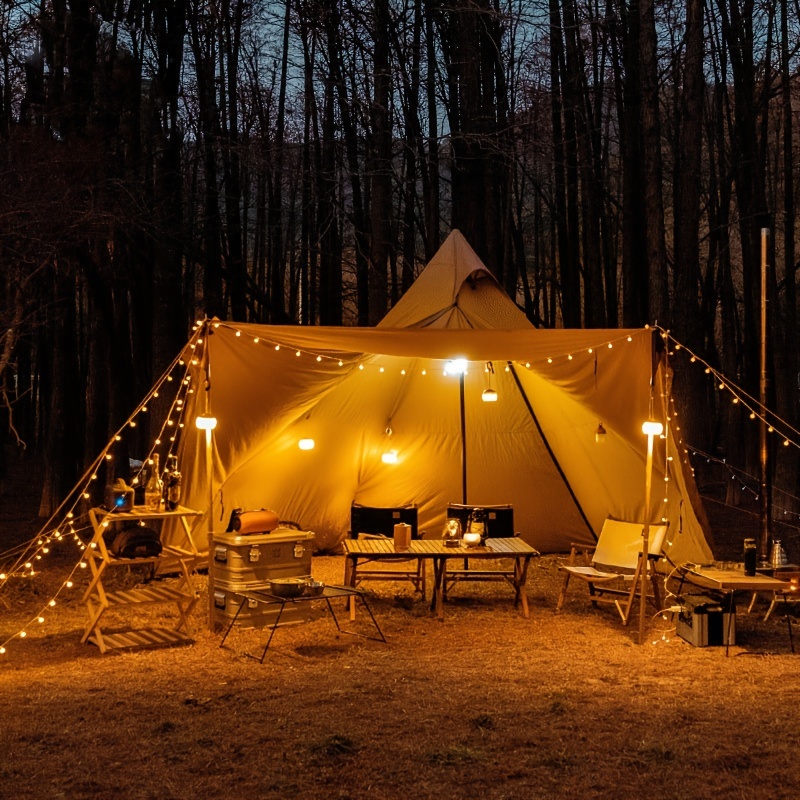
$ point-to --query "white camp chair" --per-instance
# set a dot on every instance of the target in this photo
(614, 572)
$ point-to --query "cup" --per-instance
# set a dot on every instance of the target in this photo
(402, 536)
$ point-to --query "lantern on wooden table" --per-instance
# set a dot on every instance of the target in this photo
(451, 534)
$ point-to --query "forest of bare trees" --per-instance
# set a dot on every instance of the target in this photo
(300, 160)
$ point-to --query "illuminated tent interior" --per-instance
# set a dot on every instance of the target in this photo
(363, 393)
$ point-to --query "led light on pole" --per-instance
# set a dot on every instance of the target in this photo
(651, 429)
(207, 423)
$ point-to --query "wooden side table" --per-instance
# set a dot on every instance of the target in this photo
(99, 600)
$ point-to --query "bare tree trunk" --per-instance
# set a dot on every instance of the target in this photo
(276, 259)
(203, 46)
(431, 197)
(686, 213)
(568, 268)
(380, 167)
(230, 33)
(658, 306)
(627, 81)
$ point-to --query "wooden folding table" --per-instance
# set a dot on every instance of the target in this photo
(438, 553)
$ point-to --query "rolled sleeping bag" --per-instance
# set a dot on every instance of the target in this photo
(262, 521)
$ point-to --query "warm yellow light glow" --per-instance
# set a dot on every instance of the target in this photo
(205, 423)
(456, 366)
(390, 457)
(489, 396)
(306, 444)
(652, 428)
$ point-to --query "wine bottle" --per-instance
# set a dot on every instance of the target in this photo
(154, 488)
(172, 484)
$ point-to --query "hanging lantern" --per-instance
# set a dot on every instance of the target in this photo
(600, 434)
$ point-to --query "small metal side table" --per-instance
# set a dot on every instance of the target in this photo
(729, 582)
(328, 593)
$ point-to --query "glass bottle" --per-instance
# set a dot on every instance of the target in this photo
(172, 484)
(154, 488)
(750, 556)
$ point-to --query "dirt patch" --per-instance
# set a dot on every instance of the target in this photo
(486, 704)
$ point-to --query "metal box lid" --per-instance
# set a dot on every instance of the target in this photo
(278, 535)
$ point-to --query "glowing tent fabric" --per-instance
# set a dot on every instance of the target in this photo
(362, 392)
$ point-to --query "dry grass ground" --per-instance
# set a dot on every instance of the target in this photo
(486, 704)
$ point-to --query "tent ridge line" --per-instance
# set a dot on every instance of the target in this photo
(550, 452)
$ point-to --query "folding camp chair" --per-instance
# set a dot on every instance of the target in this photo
(379, 522)
(499, 525)
(613, 575)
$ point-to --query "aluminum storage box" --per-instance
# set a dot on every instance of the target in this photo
(254, 615)
(251, 561)
(704, 622)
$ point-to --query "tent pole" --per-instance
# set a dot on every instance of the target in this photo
(550, 451)
(463, 440)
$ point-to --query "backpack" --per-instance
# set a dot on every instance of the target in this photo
(136, 542)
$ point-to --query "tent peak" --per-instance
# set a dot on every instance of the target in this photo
(439, 297)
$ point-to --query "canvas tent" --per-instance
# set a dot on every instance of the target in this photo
(362, 392)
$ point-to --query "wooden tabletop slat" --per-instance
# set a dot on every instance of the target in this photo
(433, 548)
(735, 580)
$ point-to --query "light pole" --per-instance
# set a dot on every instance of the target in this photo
(651, 429)
(207, 423)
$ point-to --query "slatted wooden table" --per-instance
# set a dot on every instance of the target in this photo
(515, 549)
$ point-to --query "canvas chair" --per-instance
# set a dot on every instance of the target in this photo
(499, 525)
(613, 574)
(379, 522)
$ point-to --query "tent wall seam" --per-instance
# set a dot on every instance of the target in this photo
(550, 452)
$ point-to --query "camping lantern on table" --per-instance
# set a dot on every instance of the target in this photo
(452, 533)
(477, 523)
